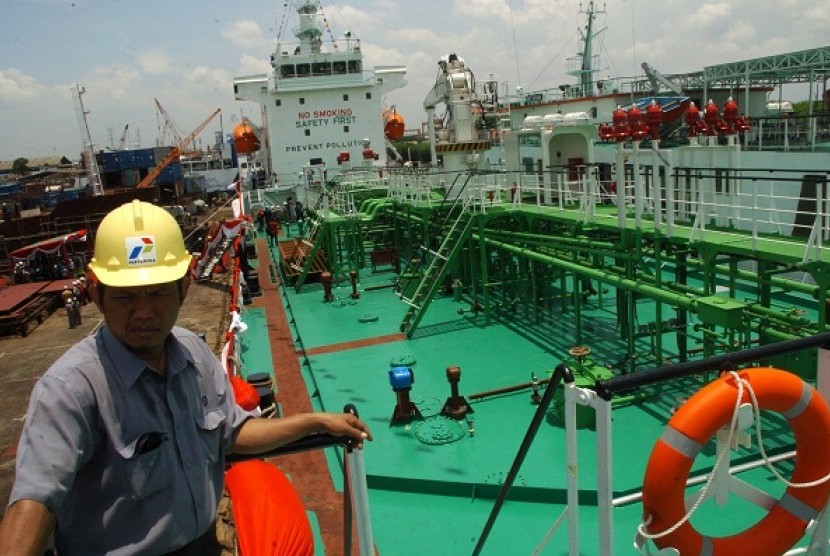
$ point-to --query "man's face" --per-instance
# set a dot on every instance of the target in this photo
(142, 317)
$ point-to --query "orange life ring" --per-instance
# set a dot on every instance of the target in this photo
(696, 422)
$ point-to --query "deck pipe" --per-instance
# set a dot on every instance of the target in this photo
(595, 274)
(786, 284)
(659, 294)
(755, 309)
(653, 292)
(601, 246)
(508, 389)
(591, 246)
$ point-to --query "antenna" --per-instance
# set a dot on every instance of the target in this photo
(515, 47)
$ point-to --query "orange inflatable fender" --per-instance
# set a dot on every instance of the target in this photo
(697, 421)
(270, 516)
(244, 394)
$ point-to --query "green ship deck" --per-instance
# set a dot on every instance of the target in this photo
(505, 288)
(432, 482)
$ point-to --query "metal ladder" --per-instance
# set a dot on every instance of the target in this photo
(437, 267)
(308, 246)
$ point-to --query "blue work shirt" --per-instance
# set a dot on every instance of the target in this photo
(129, 461)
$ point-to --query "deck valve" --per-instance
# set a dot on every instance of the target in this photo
(401, 378)
(456, 406)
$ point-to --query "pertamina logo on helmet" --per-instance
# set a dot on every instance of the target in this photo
(140, 250)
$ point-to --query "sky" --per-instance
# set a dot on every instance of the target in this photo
(186, 53)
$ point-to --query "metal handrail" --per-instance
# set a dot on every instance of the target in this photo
(561, 373)
(355, 495)
(607, 388)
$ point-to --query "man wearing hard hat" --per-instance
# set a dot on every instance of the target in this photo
(125, 436)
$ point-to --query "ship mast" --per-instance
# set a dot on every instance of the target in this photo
(309, 32)
(585, 70)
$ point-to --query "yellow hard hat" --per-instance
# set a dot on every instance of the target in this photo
(139, 244)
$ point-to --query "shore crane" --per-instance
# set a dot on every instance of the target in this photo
(175, 152)
(93, 173)
(169, 126)
(122, 143)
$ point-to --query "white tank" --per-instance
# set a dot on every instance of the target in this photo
(576, 118)
(532, 122)
(549, 121)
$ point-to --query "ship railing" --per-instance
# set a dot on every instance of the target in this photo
(577, 187)
(355, 491)
(487, 190)
(779, 207)
(789, 133)
(599, 399)
(572, 91)
(482, 191)
(414, 187)
(356, 514)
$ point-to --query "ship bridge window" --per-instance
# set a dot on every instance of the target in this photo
(530, 141)
(302, 100)
(345, 98)
(287, 70)
(307, 132)
(339, 67)
(321, 68)
(278, 102)
(345, 129)
(354, 66)
(369, 96)
(303, 70)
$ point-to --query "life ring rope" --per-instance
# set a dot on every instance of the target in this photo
(733, 425)
(792, 504)
(794, 411)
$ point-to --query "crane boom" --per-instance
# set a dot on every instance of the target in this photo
(656, 79)
(91, 165)
(122, 143)
(169, 125)
(175, 152)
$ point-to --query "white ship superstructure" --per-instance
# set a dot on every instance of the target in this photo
(319, 102)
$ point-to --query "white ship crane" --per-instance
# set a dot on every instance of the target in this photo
(454, 87)
(656, 79)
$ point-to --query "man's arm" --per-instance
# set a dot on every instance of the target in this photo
(25, 529)
(261, 435)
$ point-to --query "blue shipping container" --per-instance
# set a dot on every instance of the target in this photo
(145, 158)
(110, 162)
(128, 160)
